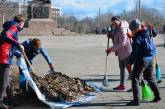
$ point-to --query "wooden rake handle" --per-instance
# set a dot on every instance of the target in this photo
(28, 62)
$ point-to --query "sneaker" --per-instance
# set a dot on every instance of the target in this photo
(159, 81)
(120, 87)
(156, 99)
(133, 103)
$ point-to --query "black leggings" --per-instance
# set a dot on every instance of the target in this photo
(4, 80)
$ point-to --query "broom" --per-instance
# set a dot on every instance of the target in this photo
(105, 81)
(157, 68)
(147, 94)
(28, 62)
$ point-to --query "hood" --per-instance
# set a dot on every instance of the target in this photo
(124, 24)
(10, 24)
(144, 33)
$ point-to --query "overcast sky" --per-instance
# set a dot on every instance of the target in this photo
(90, 8)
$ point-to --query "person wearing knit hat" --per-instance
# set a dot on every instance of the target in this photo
(142, 56)
(135, 24)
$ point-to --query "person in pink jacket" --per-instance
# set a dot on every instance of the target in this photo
(122, 47)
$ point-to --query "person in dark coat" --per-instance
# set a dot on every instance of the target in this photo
(142, 56)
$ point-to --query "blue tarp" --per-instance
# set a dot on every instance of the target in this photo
(54, 105)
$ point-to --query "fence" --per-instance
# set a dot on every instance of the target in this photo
(7, 10)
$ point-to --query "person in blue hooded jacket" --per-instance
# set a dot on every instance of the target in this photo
(33, 47)
(142, 57)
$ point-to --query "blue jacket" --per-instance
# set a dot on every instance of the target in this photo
(31, 54)
(138, 51)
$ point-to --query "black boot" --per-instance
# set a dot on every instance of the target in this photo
(133, 103)
(156, 99)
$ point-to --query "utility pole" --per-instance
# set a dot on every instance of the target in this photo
(32, 11)
(99, 20)
(3, 19)
(24, 8)
(139, 9)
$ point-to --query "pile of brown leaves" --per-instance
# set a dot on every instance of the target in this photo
(59, 87)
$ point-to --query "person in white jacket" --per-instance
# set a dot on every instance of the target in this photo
(121, 46)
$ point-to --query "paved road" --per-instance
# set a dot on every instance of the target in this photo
(84, 57)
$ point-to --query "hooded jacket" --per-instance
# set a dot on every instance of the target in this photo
(138, 50)
(122, 43)
(32, 54)
(8, 41)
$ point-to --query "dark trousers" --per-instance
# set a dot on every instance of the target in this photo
(4, 80)
(123, 65)
(138, 70)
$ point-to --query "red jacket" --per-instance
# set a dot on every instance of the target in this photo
(8, 41)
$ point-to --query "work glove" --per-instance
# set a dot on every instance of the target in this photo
(151, 26)
(108, 51)
(152, 30)
(129, 67)
(21, 47)
(129, 34)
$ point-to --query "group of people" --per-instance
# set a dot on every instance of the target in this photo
(10, 46)
(133, 44)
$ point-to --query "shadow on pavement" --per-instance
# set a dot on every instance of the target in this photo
(28, 99)
(102, 75)
(100, 80)
(103, 104)
(161, 45)
(111, 90)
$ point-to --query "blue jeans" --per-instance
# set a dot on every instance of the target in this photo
(22, 80)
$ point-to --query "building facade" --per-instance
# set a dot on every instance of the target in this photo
(33, 10)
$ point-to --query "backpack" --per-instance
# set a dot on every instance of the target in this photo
(147, 45)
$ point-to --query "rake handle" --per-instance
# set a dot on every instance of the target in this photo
(106, 58)
(28, 62)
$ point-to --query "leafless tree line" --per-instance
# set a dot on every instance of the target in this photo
(148, 16)
(88, 25)
(8, 9)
